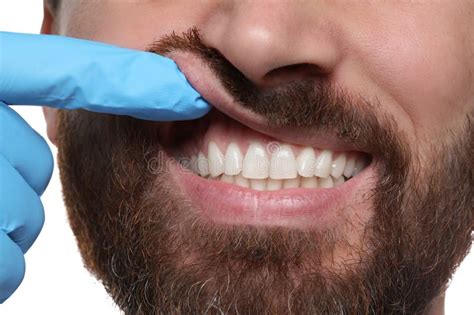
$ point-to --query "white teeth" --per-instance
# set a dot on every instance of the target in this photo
(283, 163)
(227, 178)
(241, 181)
(258, 184)
(233, 160)
(283, 170)
(193, 164)
(323, 164)
(274, 184)
(202, 165)
(309, 182)
(338, 181)
(306, 162)
(291, 183)
(270, 184)
(349, 168)
(337, 166)
(216, 160)
(255, 164)
(326, 182)
(358, 166)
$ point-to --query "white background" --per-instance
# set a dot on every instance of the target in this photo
(56, 281)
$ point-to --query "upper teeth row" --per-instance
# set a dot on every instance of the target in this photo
(279, 164)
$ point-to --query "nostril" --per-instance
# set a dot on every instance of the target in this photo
(294, 72)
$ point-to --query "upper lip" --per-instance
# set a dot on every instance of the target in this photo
(205, 82)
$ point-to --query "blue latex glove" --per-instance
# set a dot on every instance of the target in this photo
(68, 73)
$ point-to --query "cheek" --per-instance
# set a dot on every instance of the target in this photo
(132, 24)
(429, 79)
(426, 69)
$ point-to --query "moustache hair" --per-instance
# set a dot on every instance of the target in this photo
(312, 105)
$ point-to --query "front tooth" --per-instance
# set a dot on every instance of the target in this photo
(258, 184)
(255, 164)
(291, 183)
(309, 182)
(202, 165)
(323, 164)
(338, 181)
(233, 160)
(283, 163)
(241, 181)
(227, 178)
(274, 184)
(306, 162)
(216, 159)
(326, 182)
(349, 168)
(337, 166)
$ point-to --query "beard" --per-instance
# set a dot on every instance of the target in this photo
(142, 238)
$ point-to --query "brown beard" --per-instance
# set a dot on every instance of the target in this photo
(141, 239)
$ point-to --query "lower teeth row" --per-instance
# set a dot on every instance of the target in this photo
(277, 184)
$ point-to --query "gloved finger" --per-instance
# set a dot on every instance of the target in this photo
(25, 149)
(70, 73)
(12, 266)
(21, 210)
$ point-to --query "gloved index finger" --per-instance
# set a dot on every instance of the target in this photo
(71, 73)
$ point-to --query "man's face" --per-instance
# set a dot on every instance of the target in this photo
(369, 105)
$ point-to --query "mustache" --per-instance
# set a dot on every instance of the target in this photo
(311, 105)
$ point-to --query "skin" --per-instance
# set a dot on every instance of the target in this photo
(416, 58)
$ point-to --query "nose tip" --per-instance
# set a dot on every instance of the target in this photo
(253, 51)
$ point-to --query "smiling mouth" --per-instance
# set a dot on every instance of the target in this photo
(219, 148)
(238, 169)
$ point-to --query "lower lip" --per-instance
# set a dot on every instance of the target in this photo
(225, 203)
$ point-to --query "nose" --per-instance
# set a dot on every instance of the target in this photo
(273, 42)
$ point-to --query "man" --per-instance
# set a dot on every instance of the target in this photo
(334, 173)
